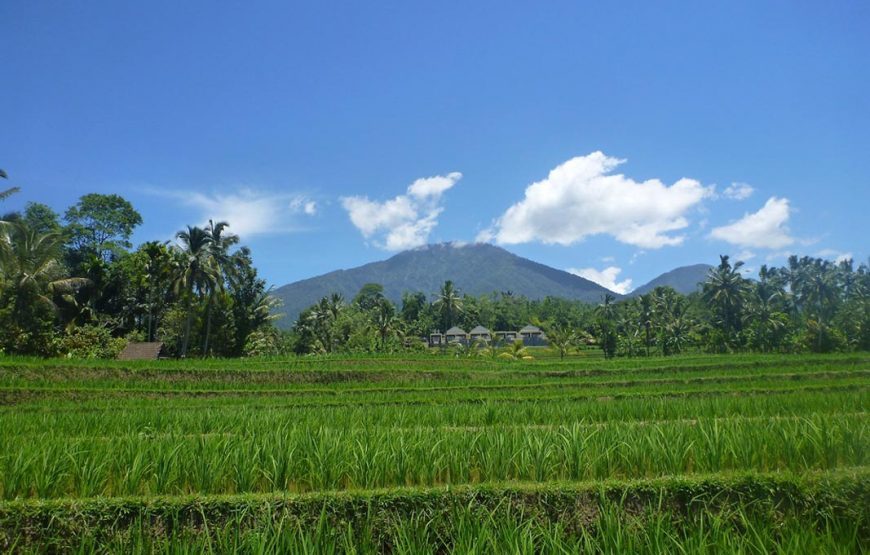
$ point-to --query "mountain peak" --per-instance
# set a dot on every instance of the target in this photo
(475, 268)
(685, 279)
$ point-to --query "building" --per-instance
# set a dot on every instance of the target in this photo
(455, 334)
(506, 336)
(141, 351)
(532, 335)
(480, 333)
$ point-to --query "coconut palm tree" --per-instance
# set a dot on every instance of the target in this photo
(384, 320)
(30, 262)
(646, 316)
(516, 351)
(31, 277)
(561, 338)
(449, 304)
(195, 273)
(8, 192)
(222, 265)
(726, 291)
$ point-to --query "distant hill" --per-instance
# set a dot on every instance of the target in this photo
(685, 279)
(475, 269)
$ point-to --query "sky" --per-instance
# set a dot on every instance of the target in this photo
(614, 140)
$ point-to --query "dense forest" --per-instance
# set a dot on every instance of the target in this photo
(73, 285)
(811, 305)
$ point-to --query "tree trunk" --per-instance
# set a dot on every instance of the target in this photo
(187, 328)
(207, 323)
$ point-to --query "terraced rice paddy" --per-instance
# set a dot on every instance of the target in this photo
(431, 454)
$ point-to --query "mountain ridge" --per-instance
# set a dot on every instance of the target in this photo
(476, 269)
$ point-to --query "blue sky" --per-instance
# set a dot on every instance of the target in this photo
(332, 134)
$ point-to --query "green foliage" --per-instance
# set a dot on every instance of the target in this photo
(101, 225)
(86, 342)
(263, 342)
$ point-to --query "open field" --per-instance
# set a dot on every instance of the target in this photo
(701, 453)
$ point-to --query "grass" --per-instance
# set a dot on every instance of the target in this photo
(770, 453)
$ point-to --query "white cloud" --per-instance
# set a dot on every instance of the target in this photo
(605, 278)
(745, 255)
(405, 221)
(738, 191)
(837, 256)
(249, 212)
(302, 204)
(763, 229)
(581, 198)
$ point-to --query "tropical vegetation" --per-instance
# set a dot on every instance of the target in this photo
(74, 286)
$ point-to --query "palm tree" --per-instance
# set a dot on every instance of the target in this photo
(646, 319)
(31, 271)
(516, 351)
(606, 313)
(196, 272)
(159, 270)
(726, 291)
(8, 192)
(562, 338)
(385, 321)
(449, 304)
(30, 261)
(222, 265)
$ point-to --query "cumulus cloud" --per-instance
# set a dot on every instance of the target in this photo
(738, 191)
(405, 221)
(581, 197)
(766, 229)
(606, 278)
(248, 211)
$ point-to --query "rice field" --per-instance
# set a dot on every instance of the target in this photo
(420, 454)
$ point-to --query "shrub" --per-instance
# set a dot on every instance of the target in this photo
(91, 342)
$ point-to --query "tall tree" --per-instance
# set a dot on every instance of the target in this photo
(101, 225)
(449, 304)
(196, 272)
(726, 291)
(222, 268)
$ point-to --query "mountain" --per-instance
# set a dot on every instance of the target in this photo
(685, 279)
(475, 269)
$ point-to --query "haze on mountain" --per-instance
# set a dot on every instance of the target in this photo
(475, 269)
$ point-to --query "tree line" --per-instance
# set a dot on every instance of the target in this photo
(809, 305)
(72, 285)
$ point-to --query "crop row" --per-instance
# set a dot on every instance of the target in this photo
(373, 368)
(162, 417)
(129, 398)
(288, 457)
(752, 513)
(420, 381)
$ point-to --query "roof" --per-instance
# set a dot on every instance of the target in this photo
(141, 351)
(479, 330)
(530, 329)
(455, 331)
